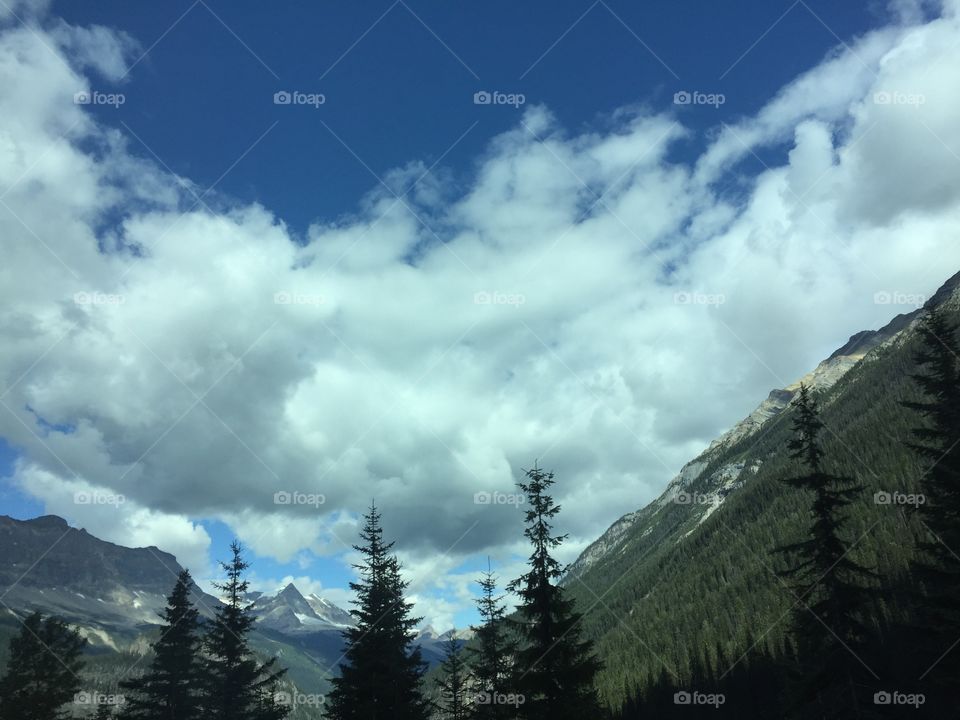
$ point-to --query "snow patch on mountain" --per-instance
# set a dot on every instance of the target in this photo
(291, 613)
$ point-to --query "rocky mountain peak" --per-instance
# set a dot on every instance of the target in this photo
(290, 592)
(52, 522)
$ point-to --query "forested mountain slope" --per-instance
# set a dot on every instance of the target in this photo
(689, 581)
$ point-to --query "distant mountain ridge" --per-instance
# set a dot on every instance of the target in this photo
(727, 478)
(113, 595)
(80, 562)
(47, 565)
(430, 634)
(290, 612)
(692, 573)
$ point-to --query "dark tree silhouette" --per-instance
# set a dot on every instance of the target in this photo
(937, 443)
(383, 674)
(555, 667)
(42, 672)
(491, 653)
(833, 679)
(170, 689)
(454, 683)
(237, 686)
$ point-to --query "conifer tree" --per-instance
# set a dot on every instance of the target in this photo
(170, 689)
(454, 682)
(555, 666)
(43, 670)
(831, 588)
(491, 654)
(382, 676)
(937, 444)
(237, 686)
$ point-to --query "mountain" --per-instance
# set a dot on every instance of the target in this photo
(686, 581)
(329, 612)
(112, 594)
(80, 577)
(431, 635)
(291, 613)
(727, 476)
(316, 624)
(689, 579)
(49, 566)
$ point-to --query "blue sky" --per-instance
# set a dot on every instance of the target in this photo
(146, 353)
(399, 79)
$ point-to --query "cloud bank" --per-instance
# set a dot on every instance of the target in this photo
(580, 299)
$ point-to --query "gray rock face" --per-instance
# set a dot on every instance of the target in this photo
(331, 613)
(108, 589)
(74, 560)
(47, 565)
(772, 406)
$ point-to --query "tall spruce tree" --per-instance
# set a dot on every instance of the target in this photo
(555, 666)
(43, 670)
(170, 689)
(237, 686)
(383, 673)
(832, 590)
(454, 683)
(937, 443)
(491, 653)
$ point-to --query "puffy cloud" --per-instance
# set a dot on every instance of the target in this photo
(907, 155)
(584, 301)
(110, 516)
(103, 49)
(23, 9)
